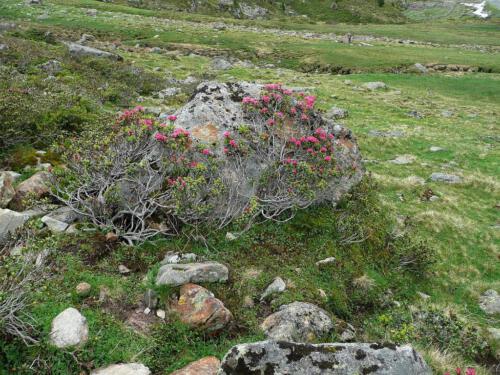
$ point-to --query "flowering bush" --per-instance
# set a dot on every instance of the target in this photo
(150, 177)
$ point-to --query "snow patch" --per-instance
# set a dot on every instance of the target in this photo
(479, 9)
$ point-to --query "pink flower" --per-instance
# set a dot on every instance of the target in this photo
(310, 150)
(323, 149)
(139, 108)
(293, 111)
(160, 137)
(279, 114)
(266, 99)
(293, 140)
(294, 163)
(172, 117)
(312, 139)
(273, 86)
(330, 136)
(458, 370)
(470, 371)
(328, 158)
(179, 132)
(193, 164)
(264, 110)
(288, 92)
(232, 142)
(225, 150)
(271, 122)
(298, 143)
(206, 151)
(227, 134)
(304, 117)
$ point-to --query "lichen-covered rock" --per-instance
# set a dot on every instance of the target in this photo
(180, 274)
(299, 322)
(10, 221)
(250, 11)
(204, 366)
(81, 50)
(445, 177)
(198, 308)
(69, 328)
(372, 86)
(277, 286)
(36, 186)
(489, 302)
(281, 357)
(123, 369)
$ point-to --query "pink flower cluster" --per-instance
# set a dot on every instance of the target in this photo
(180, 132)
(458, 371)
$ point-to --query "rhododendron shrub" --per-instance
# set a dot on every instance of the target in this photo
(150, 177)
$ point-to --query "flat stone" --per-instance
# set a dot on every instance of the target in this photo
(64, 214)
(374, 86)
(386, 134)
(81, 50)
(198, 308)
(298, 322)
(123, 369)
(403, 159)
(69, 328)
(435, 149)
(180, 274)
(444, 177)
(277, 286)
(176, 258)
(323, 359)
(419, 67)
(325, 261)
(204, 366)
(55, 226)
(489, 302)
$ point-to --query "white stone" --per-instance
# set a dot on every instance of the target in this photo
(69, 328)
(123, 369)
(277, 286)
(325, 261)
(161, 314)
(54, 225)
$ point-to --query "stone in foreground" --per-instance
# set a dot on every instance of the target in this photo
(299, 322)
(10, 221)
(489, 302)
(123, 369)
(204, 366)
(180, 274)
(281, 357)
(444, 177)
(69, 328)
(198, 308)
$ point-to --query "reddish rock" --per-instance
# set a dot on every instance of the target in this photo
(198, 308)
(204, 366)
(36, 186)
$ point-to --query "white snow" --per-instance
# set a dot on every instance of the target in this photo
(479, 9)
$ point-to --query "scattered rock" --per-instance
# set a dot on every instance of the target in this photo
(150, 299)
(86, 38)
(277, 286)
(83, 289)
(422, 69)
(7, 190)
(337, 113)
(180, 274)
(248, 302)
(250, 11)
(81, 50)
(10, 221)
(123, 369)
(55, 226)
(168, 92)
(447, 113)
(338, 358)
(386, 134)
(435, 149)
(220, 63)
(444, 177)
(36, 186)
(489, 302)
(325, 261)
(91, 12)
(51, 67)
(403, 159)
(175, 258)
(161, 314)
(204, 366)
(495, 333)
(415, 114)
(372, 86)
(423, 296)
(64, 214)
(124, 270)
(298, 322)
(69, 328)
(348, 334)
(198, 308)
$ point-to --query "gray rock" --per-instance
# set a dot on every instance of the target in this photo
(7, 190)
(81, 50)
(277, 286)
(494, 333)
(421, 68)
(447, 113)
(250, 11)
(4, 47)
(489, 302)
(220, 63)
(54, 225)
(444, 177)
(64, 214)
(86, 38)
(386, 134)
(169, 92)
(69, 328)
(337, 113)
(435, 149)
(325, 261)
(91, 12)
(372, 86)
(10, 221)
(415, 114)
(298, 322)
(403, 159)
(322, 359)
(175, 258)
(348, 334)
(51, 67)
(123, 369)
(180, 274)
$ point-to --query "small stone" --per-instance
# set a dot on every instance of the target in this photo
(230, 236)
(161, 314)
(435, 149)
(419, 67)
(91, 12)
(204, 366)
(495, 333)
(220, 63)
(337, 113)
(489, 302)
(415, 114)
(111, 237)
(180, 274)
(55, 226)
(69, 328)
(147, 310)
(123, 269)
(444, 177)
(447, 113)
(423, 296)
(322, 293)
(83, 289)
(123, 369)
(325, 261)
(403, 159)
(7, 190)
(277, 286)
(374, 86)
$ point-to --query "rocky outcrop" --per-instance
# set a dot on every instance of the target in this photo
(123, 369)
(180, 274)
(299, 322)
(204, 366)
(69, 328)
(198, 308)
(281, 357)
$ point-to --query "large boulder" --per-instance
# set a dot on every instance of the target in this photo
(10, 221)
(281, 357)
(76, 49)
(69, 328)
(35, 187)
(216, 109)
(123, 369)
(198, 308)
(180, 274)
(299, 322)
(204, 366)
(7, 191)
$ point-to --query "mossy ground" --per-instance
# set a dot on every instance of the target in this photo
(461, 226)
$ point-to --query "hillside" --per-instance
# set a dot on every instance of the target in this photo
(181, 185)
